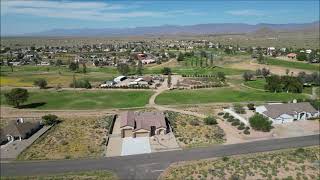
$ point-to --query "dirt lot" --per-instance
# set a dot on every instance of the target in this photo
(299, 163)
(190, 131)
(72, 138)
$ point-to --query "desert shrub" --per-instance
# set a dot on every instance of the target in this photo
(50, 119)
(247, 132)
(251, 106)
(235, 123)
(82, 83)
(220, 113)
(210, 120)
(225, 158)
(240, 127)
(194, 122)
(247, 128)
(41, 83)
(238, 108)
(226, 115)
(260, 123)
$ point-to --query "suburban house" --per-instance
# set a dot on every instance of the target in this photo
(283, 113)
(142, 124)
(18, 130)
(292, 55)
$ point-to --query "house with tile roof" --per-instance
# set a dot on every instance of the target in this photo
(142, 124)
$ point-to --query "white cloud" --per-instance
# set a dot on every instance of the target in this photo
(99, 11)
(246, 12)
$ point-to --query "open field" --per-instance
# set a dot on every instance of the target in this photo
(293, 64)
(87, 99)
(257, 84)
(222, 95)
(78, 137)
(190, 131)
(302, 163)
(105, 175)
(26, 75)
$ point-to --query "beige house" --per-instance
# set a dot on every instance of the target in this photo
(142, 124)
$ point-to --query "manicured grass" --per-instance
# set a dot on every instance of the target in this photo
(100, 99)
(293, 64)
(299, 163)
(258, 84)
(102, 174)
(222, 95)
(197, 70)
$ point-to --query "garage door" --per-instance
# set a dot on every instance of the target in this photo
(127, 133)
(142, 134)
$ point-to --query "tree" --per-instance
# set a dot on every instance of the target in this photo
(265, 72)
(261, 58)
(273, 83)
(301, 56)
(123, 68)
(247, 76)
(84, 68)
(287, 71)
(17, 96)
(180, 57)
(96, 63)
(210, 120)
(50, 119)
(260, 123)
(258, 72)
(166, 71)
(73, 66)
(221, 76)
(139, 68)
(41, 83)
(59, 62)
(169, 80)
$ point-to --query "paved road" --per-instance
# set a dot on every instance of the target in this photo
(149, 166)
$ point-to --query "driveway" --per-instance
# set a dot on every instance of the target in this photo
(138, 145)
(10, 151)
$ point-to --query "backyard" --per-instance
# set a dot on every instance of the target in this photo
(78, 137)
(87, 99)
(301, 163)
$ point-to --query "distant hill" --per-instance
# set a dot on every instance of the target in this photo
(199, 29)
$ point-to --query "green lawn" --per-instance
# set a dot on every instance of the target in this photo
(258, 84)
(293, 64)
(69, 176)
(101, 99)
(222, 95)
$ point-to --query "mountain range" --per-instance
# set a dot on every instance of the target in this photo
(198, 29)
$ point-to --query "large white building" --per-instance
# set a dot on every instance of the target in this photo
(284, 113)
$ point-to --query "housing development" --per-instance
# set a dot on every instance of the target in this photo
(210, 100)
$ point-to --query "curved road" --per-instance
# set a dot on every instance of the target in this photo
(149, 166)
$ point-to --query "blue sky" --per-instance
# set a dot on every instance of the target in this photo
(18, 16)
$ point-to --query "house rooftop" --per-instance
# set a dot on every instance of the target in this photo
(275, 110)
(142, 120)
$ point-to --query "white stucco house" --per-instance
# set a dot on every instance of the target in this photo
(284, 113)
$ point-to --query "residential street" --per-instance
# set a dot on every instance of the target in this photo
(149, 166)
